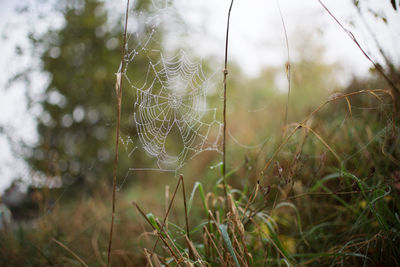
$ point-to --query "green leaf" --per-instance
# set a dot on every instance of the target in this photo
(153, 221)
(199, 186)
(227, 240)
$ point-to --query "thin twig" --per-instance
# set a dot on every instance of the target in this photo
(159, 233)
(167, 212)
(287, 65)
(186, 215)
(184, 202)
(215, 246)
(353, 38)
(70, 251)
(224, 112)
(271, 241)
(147, 255)
(303, 123)
(118, 88)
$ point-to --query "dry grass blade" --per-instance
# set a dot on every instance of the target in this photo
(217, 224)
(235, 215)
(224, 110)
(70, 251)
(272, 242)
(147, 255)
(171, 251)
(166, 203)
(215, 221)
(353, 38)
(163, 224)
(299, 125)
(238, 251)
(388, 155)
(323, 142)
(221, 258)
(184, 203)
(349, 106)
(193, 251)
(169, 239)
(287, 65)
(252, 199)
(118, 88)
(239, 225)
(168, 210)
(95, 246)
(186, 214)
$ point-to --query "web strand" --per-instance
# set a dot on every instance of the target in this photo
(172, 103)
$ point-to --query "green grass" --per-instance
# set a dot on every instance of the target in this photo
(342, 211)
(330, 196)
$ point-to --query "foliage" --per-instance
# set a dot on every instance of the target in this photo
(307, 209)
(324, 191)
(76, 126)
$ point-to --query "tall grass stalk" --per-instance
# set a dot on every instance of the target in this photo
(163, 233)
(395, 90)
(301, 125)
(118, 90)
(71, 252)
(287, 65)
(224, 111)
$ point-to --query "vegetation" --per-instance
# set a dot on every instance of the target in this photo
(323, 189)
(76, 127)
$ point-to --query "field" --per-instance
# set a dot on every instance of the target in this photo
(305, 176)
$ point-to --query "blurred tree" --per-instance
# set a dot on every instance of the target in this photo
(77, 126)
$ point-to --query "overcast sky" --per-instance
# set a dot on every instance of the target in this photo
(256, 40)
(256, 26)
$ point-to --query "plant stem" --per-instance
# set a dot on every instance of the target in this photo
(224, 112)
(191, 256)
(287, 66)
(395, 90)
(118, 88)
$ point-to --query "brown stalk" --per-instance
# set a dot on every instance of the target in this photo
(163, 224)
(217, 223)
(169, 239)
(271, 241)
(252, 199)
(238, 250)
(70, 251)
(240, 228)
(95, 246)
(184, 203)
(303, 123)
(215, 246)
(186, 215)
(118, 89)
(206, 245)
(246, 251)
(159, 234)
(147, 255)
(166, 202)
(168, 210)
(287, 65)
(224, 111)
(193, 251)
(377, 66)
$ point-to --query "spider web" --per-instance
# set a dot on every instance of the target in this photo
(173, 121)
(173, 103)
